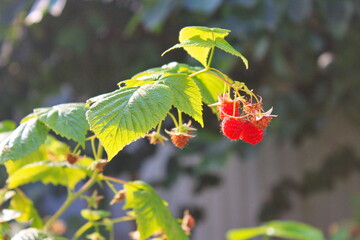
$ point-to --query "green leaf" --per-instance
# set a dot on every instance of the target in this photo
(28, 212)
(31, 234)
(94, 215)
(282, 229)
(52, 149)
(211, 85)
(151, 212)
(193, 42)
(26, 138)
(246, 233)
(293, 230)
(7, 125)
(128, 114)
(202, 34)
(225, 46)
(187, 96)
(67, 120)
(47, 172)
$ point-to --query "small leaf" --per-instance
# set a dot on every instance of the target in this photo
(94, 215)
(225, 46)
(187, 96)
(30, 234)
(26, 138)
(151, 212)
(28, 212)
(128, 114)
(195, 41)
(47, 172)
(67, 120)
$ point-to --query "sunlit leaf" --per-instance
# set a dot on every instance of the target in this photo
(282, 229)
(225, 46)
(47, 172)
(67, 120)
(7, 125)
(94, 215)
(151, 212)
(24, 205)
(187, 96)
(128, 114)
(26, 138)
(7, 215)
(30, 234)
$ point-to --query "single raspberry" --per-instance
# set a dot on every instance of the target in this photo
(227, 107)
(180, 136)
(155, 138)
(232, 127)
(188, 222)
(71, 158)
(263, 122)
(251, 134)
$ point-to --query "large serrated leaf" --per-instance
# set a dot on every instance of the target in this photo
(151, 212)
(211, 85)
(194, 43)
(47, 172)
(24, 205)
(128, 114)
(187, 96)
(26, 138)
(225, 46)
(67, 120)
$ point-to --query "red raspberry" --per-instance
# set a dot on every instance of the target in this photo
(226, 109)
(251, 134)
(180, 136)
(71, 158)
(263, 122)
(232, 127)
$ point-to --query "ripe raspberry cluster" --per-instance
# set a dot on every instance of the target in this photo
(242, 119)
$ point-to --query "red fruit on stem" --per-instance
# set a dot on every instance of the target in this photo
(229, 108)
(251, 134)
(232, 127)
(263, 122)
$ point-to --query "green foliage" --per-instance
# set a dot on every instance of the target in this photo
(7, 215)
(33, 234)
(199, 41)
(53, 172)
(27, 209)
(186, 95)
(67, 120)
(281, 229)
(151, 212)
(94, 215)
(7, 125)
(128, 114)
(25, 139)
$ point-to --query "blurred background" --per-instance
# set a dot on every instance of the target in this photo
(304, 58)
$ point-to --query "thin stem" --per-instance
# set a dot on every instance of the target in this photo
(111, 186)
(174, 119)
(112, 179)
(180, 117)
(93, 148)
(210, 57)
(159, 127)
(222, 75)
(122, 219)
(70, 199)
(82, 229)
(199, 72)
(100, 151)
(76, 148)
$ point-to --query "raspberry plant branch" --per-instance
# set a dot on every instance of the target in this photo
(70, 199)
